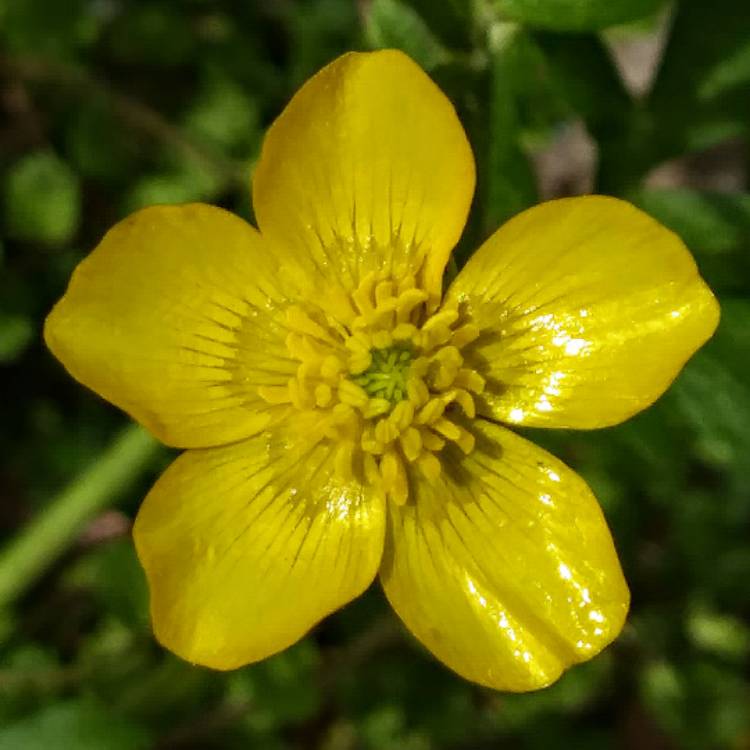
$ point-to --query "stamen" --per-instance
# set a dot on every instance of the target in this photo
(378, 369)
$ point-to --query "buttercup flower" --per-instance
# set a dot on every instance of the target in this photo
(344, 415)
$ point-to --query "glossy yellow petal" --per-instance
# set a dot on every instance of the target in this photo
(173, 318)
(504, 568)
(588, 310)
(367, 168)
(247, 546)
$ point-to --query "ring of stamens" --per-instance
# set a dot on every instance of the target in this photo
(385, 376)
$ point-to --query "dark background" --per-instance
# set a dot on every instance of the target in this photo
(110, 105)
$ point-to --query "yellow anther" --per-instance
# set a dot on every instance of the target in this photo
(449, 361)
(323, 394)
(449, 355)
(381, 365)
(307, 369)
(404, 332)
(344, 460)
(395, 481)
(429, 465)
(352, 394)
(300, 397)
(466, 402)
(274, 394)
(442, 319)
(299, 320)
(382, 339)
(431, 411)
(469, 379)
(363, 295)
(411, 443)
(359, 341)
(419, 367)
(331, 367)
(339, 305)
(417, 391)
(339, 330)
(443, 378)
(464, 335)
(447, 428)
(376, 408)
(465, 441)
(406, 282)
(385, 431)
(383, 293)
(434, 337)
(402, 414)
(359, 362)
(297, 345)
(406, 303)
(371, 446)
(343, 413)
(370, 466)
(431, 441)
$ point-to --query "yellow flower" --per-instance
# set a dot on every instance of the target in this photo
(344, 415)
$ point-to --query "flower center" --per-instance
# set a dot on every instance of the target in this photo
(386, 377)
(380, 375)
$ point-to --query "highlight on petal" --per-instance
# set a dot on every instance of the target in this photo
(367, 169)
(588, 310)
(174, 318)
(505, 568)
(247, 546)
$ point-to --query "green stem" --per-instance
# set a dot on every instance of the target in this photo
(50, 532)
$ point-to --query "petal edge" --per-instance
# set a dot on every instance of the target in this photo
(248, 546)
(588, 307)
(505, 569)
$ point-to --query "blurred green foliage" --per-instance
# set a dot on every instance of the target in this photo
(109, 106)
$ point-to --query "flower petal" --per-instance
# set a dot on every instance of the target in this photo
(505, 568)
(367, 168)
(247, 546)
(588, 310)
(173, 318)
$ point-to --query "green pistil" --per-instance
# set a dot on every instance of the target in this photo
(387, 374)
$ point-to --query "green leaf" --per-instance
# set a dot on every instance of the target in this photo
(581, 72)
(701, 93)
(493, 100)
(708, 54)
(510, 182)
(223, 115)
(156, 33)
(451, 20)
(42, 199)
(700, 704)
(112, 572)
(54, 30)
(663, 693)
(184, 184)
(98, 144)
(75, 725)
(281, 689)
(16, 333)
(722, 634)
(715, 226)
(575, 15)
(392, 23)
(713, 395)
(708, 222)
(574, 690)
(575, 77)
(318, 32)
